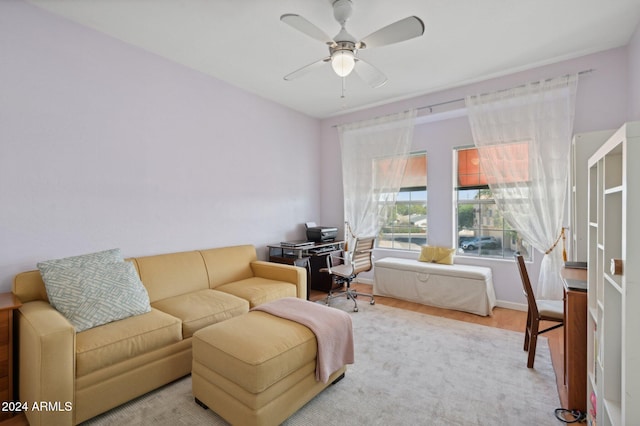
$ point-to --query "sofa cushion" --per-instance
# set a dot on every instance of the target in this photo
(118, 341)
(201, 308)
(172, 274)
(259, 290)
(228, 264)
(96, 294)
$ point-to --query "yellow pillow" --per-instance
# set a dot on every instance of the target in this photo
(435, 254)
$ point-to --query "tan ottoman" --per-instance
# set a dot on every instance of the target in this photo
(256, 369)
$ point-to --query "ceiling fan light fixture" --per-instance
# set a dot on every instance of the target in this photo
(343, 62)
(344, 47)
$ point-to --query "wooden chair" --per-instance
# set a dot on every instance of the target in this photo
(345, 273)
(538, 310)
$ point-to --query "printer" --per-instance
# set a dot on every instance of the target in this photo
(321, 234)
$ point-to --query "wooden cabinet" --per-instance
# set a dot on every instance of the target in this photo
(310, 255)
(322, 281)
(8, 303)
(575, 338)
(613, 319)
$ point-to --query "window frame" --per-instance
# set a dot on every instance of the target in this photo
(414, 240)
(508, 240)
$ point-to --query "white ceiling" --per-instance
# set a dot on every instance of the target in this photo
(244, 43)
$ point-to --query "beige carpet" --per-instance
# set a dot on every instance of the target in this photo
(410, 369)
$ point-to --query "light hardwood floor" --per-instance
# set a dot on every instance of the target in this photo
(502, 318)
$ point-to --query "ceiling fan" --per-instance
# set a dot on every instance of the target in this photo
(343, 48)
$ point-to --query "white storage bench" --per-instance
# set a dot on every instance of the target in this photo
(460, 287)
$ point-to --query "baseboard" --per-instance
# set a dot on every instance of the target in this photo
(511, 305)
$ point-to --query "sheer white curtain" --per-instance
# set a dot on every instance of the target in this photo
(367, 191)
(540, 115)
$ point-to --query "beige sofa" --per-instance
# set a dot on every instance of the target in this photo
(100, 368)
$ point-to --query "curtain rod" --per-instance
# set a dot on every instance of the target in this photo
(462, 99)
(590, 70)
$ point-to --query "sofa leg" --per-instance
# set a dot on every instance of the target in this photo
(202, 404)
(340, 377)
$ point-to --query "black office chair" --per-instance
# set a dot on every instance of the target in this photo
(345, 272)
(538, 310)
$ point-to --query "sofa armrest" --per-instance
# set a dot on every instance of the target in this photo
(282, 272)
(46, 362)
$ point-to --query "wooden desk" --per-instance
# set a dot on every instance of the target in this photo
(312, 257)
(575, 338)
(8, 303)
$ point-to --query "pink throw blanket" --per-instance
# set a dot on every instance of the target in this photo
(332, 327)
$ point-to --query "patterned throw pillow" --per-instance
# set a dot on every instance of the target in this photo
(435, 254)
(50, 268)
(82, 261)
(94, 289)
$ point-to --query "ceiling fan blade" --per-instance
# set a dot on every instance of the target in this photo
(302, 25)
(370, 74)
(304, 70)
(401, 30)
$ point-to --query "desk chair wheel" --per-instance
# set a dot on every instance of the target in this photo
(373, 302)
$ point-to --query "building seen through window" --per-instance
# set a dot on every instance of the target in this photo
(405, 224)
(481, 228)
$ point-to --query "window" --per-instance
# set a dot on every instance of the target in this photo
(482, 231)
(405, 226)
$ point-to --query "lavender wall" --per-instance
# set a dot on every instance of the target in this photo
(634, 77)
(601, 104)
(105, 145)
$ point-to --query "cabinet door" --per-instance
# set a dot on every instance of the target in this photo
(321, 281)
(5, 348)
(575, 349)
